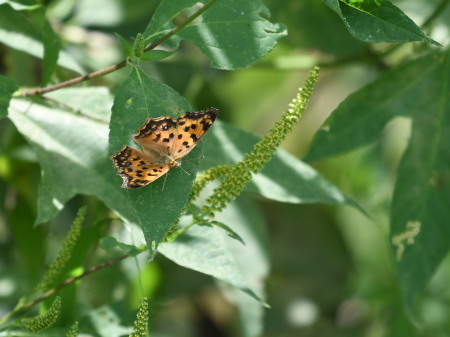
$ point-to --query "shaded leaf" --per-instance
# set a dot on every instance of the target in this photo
(7, 88)
(156, 208)
(51, 42)
(217, 31)
(360, 118)
(377, 21)
(420, 212)
(126, 45)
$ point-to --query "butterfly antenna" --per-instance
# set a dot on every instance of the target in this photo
(201, 157)
(164, 182)
(184, 170)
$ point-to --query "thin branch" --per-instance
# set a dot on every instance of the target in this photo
(50, 292)
(110, 69)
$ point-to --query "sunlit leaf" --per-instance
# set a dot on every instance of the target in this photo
(203, 249)
(377, 21)
(28, 31)
(216, 31)
(72, 152)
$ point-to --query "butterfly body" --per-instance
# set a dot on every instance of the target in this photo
(164, 140)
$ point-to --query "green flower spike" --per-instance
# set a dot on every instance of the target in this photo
(64, 254)
(73, 330)
(139, 46)
(42, 322)
(235, 177)
(141, 323)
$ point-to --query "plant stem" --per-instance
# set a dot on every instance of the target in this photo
(50, 292)
(110, 69)
(439, 9)
(182, 230)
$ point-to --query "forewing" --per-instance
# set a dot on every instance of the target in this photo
(156, 135)
(191, 127)
(136, 168)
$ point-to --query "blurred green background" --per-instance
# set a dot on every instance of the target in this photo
(332, 271)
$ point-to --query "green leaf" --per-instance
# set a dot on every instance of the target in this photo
(72, 152)
(156, 207)
(107, 323)
(154, 55)
(7, 88)
(420, 211)
(231, 233)
(203, 249)
(125, 44)
(200, 221)
(36, 16)
(377, 21)
(284, 178)
(21, 5)
(252, 260)
(231, 33)
(109, 243)
(51, 43)
(93, 102)
(360, 118)
(29, 32)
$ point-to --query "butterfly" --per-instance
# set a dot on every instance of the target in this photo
(164, 140)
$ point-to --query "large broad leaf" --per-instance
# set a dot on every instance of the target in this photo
(231, 33)
(159, 204)
(285, 178)
(359, 119)
(28, 31)
(420, 212)
(377, 21)
(94, 102)
(72, 151)
(204, 249)
(252, 260)
(7, 88)
(34, 16)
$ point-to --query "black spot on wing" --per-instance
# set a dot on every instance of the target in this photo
(151, 126)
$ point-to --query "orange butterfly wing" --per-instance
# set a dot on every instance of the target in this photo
(136, 168)
(164, 140)
(191, 127)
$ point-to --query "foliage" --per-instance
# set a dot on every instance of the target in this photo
(57, 137)
(44, 321)
(141, 323)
